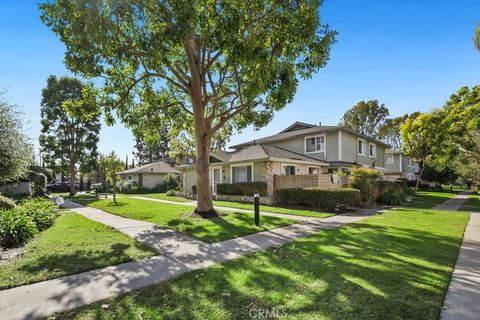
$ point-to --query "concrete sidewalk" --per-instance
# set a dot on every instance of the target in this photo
(462, 301)
(179, 253)
(454, 203)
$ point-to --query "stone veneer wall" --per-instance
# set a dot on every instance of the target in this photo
(224, 197)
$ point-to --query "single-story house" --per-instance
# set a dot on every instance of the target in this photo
(149, 175)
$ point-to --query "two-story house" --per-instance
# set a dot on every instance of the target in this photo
(300, 149)
(398, 165)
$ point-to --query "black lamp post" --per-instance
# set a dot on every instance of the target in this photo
(256, 201)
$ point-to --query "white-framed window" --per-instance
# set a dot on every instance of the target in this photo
(390, 159)
(315, 144)
(372, 150)
(242, 173)
(130, 178)
(289, 169)
(409, 162)
(313, 170)
(361, 145)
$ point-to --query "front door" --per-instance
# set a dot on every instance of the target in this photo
(216, 179)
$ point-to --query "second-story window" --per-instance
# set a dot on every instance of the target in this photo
(372, 150)
(361, 147)
(315, 144)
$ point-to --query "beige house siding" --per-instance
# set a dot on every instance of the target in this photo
(332, 146)
(149, 180)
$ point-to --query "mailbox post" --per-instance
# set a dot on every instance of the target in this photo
(256, 202)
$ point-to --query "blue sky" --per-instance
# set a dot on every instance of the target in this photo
(409, 54)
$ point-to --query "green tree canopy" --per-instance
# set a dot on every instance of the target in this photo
(366, 117)
(68, 141)
(390, 131)
(223, 64)
(424, 139)
(16, 150)
(476, 38)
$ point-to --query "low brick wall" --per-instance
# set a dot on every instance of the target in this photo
(322, 181)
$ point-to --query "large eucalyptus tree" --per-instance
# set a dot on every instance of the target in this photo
(225, 64)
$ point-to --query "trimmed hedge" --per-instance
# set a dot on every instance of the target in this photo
(242, 188)
(317, 198)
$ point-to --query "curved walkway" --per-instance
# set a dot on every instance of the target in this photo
(178, 253)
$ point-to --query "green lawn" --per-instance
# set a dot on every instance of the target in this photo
(162, 196)
(276, 209)
(472, 203)
(73, 244)
(428, 199)
(392, 266)
(231, 225)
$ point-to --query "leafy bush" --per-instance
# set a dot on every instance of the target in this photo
(171, 193)
(15, 228)
(382, 186)
(194, 189)
(6, 203)
(41, 211)
(171, 182)
(130, 188)
(317, 198)
(242, 188)
(402, 182)
(392, 198)
(363, 179)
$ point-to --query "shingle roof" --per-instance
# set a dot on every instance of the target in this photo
(222, 155)
(258, 152)
(156, 167)
(302, 132)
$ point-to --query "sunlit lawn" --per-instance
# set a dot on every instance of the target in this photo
(392, 266)
(472, 203)
(162, 196)
(174, 216)
(428, 199)
(72, 245)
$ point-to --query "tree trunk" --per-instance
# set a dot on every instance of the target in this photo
(202, 132)
(204, 191)
(114, 190)
(418, 179)
(72, 177)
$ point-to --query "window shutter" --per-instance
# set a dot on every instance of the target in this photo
(249, 174)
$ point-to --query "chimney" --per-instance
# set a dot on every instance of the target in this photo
(320, 124)
(254, 142)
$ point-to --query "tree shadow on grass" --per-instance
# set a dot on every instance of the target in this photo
(365, 271)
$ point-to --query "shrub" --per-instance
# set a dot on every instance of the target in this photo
(171, 193)
(15, 228)
(382, 186)
(402, 182)
(362, 179)
(392, 198)
(242, 188)
(171, 182)
(317, 198)
(194, 189)
(130, 188)
(6, 203)
(41, 211)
